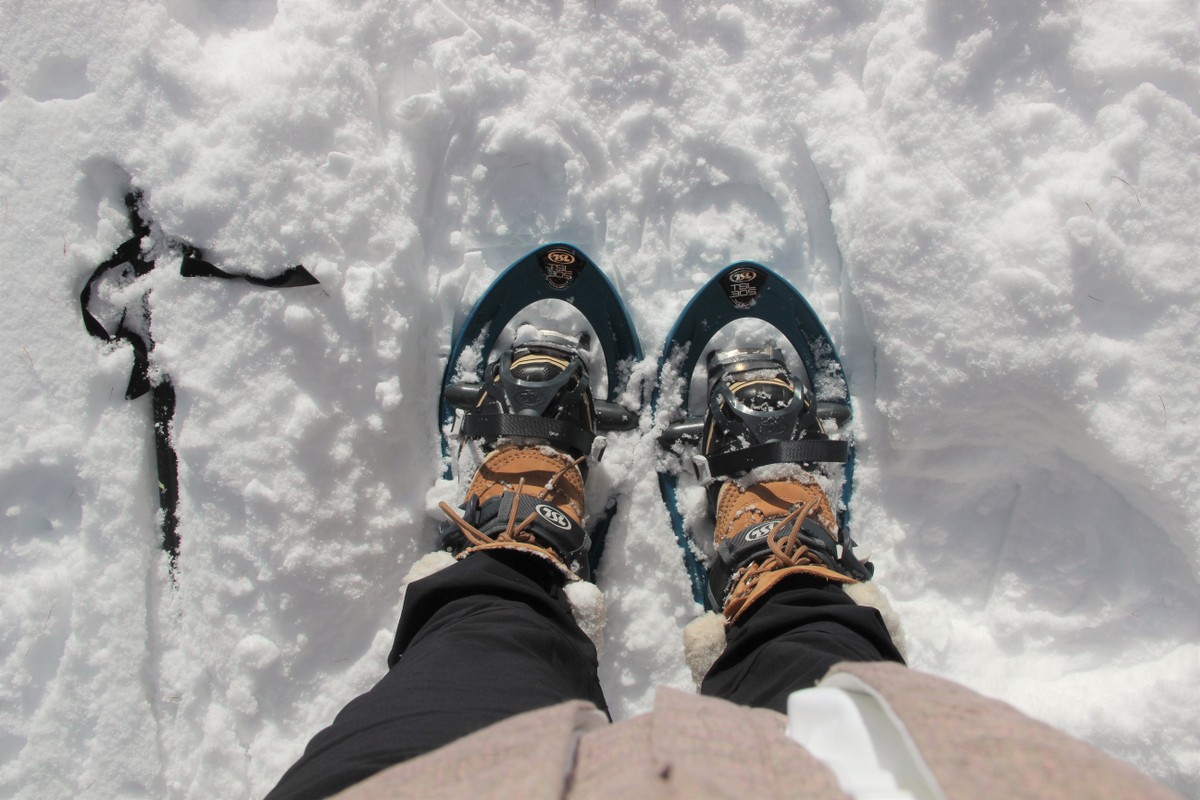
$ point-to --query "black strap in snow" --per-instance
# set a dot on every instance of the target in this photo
(162, 401)
(796, 452)
(556, 431)
(194, 266)
(138, 256)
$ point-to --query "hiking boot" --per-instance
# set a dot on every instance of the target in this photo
(761, 441)
(536, 419)
(766, 532)
(529, 499)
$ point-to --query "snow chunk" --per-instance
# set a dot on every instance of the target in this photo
(388, 393)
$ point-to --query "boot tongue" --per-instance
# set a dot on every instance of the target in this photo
(503, 469)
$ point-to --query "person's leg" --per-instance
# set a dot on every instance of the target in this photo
(781, 555)
(488, 638)
(491, 636)
(790, 639)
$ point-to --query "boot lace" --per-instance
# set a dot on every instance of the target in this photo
(786, 551)
(513, 531)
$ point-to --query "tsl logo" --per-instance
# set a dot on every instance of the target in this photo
(560, 267)
(555, 517)
(742, 285)
(760, 531)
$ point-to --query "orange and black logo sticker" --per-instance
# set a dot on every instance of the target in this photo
(561, 267)
(742, 285)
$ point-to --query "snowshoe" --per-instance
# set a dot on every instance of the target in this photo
(759, 414)
(533, 410)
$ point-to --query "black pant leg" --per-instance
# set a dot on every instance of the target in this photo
(790, 639)
(483, 640)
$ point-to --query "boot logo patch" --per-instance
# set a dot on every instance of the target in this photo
(760, 531)
(555, 517)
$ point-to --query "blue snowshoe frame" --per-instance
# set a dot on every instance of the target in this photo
(546, 274)
(771, 298)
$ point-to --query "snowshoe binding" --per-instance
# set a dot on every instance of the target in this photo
(777, 521)
(538, 423)
(763, 422)
(537, 397)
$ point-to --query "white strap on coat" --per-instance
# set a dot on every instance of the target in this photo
(850, 729)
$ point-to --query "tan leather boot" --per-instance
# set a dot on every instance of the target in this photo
(524, 498)
(534, 416)
(766, 532)
(763, 440)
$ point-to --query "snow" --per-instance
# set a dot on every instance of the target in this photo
(992, 206)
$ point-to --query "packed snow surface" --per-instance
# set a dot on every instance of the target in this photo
(993, 206)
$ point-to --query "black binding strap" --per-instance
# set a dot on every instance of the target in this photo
(803, 451)
(558, 433)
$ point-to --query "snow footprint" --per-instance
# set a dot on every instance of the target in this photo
(532, 184)
(40, 514)
(59, 77)
(40, 506)
(717, 223)
(732, 209)
(205, 18)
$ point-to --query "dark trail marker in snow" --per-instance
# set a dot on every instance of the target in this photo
(132, 259)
